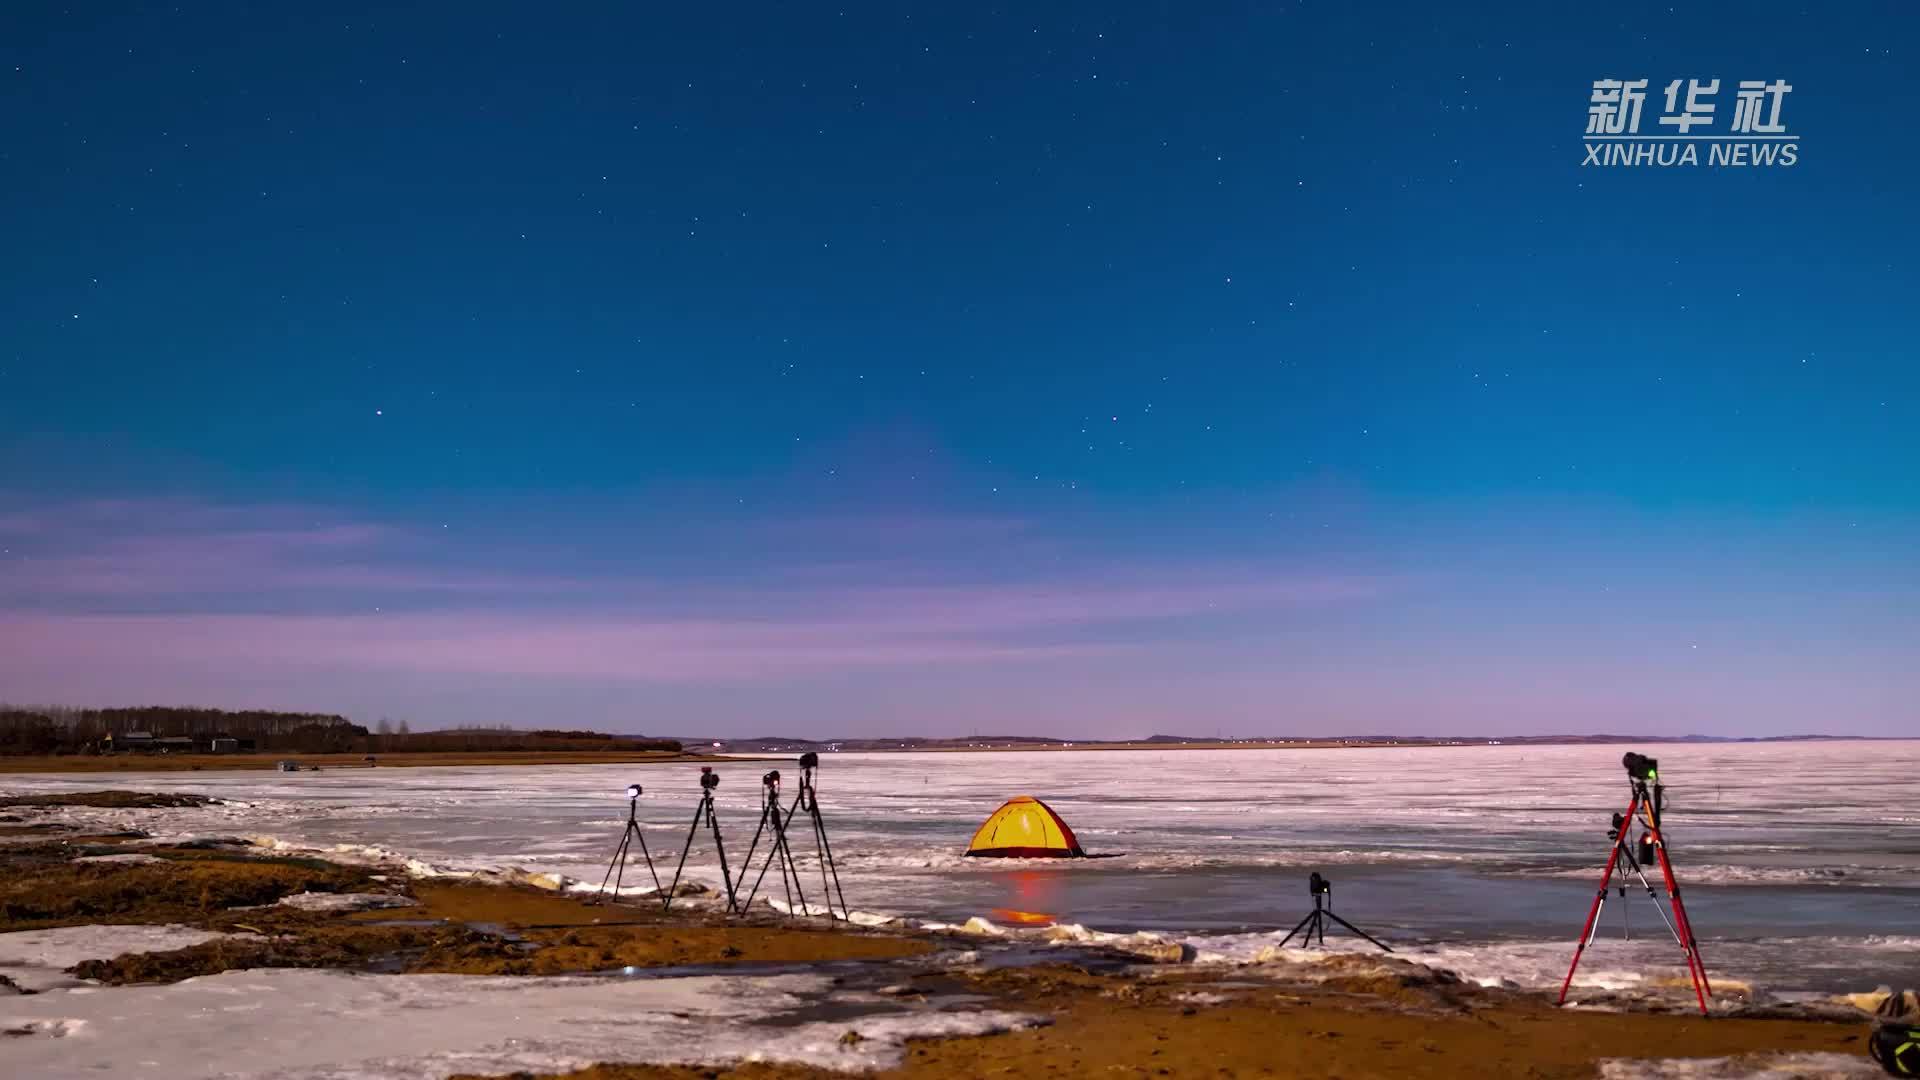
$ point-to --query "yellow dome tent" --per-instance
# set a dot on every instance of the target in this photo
(1025, 828)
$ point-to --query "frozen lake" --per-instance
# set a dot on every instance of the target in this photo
(1800, 861)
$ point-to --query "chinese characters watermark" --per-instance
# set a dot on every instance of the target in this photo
(1754, 134)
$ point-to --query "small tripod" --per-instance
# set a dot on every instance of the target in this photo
(703, 812)
(1647, 802)
(620, 854)
(807, 799)
(777, 849)
(1316, 920)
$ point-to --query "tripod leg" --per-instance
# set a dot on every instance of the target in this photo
(1383, 946)
(828, 865)
(1308, 940)
(648, 855)
(774, 850)
(789, 866)
(626, 843)
(1696, 969)
(1639, 871)
(780, 851)
(1593, 912)
(1626, 909)
(748, 863)
(755, 843)
(619, 858)
(720, 849)
(790, 877)
(667, 901)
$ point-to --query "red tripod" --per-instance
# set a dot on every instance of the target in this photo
(1645, 807)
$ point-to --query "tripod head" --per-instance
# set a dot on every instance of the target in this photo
(1318, 887)
(809, 762)
(1643, 775)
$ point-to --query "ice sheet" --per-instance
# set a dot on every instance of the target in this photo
(1476, 850)
(324, 1024)
(38, 959)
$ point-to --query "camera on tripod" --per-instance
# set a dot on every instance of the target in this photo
(633, 791)
(1640, 766)
(775, 823)
(708, 778)
(1315, 924)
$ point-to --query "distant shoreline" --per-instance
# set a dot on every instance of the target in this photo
(136, 763)
(130, 763)
(771, 747)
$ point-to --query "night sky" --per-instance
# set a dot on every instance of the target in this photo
(853, 369)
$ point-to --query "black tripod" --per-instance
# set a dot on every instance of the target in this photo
(1316, 920)
(1629, 864)
(777, 848)
(703, 812)
(626, 847)
(807, 799)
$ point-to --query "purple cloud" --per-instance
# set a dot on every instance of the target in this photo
(221, 588)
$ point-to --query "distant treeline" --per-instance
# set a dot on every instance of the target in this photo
(59, 729)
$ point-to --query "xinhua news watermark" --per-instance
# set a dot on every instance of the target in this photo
(1688, 130)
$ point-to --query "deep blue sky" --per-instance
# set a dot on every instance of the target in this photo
(1097, 369)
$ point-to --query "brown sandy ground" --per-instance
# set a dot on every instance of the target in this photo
(1222, 1025)
(1102, 1020)
(82, 763)
(460, 928)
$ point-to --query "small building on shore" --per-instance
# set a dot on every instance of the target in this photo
(130, 741)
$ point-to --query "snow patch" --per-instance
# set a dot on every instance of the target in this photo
(312, 901)
(1748, 1067)
(431, 1026)
(38, 959)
